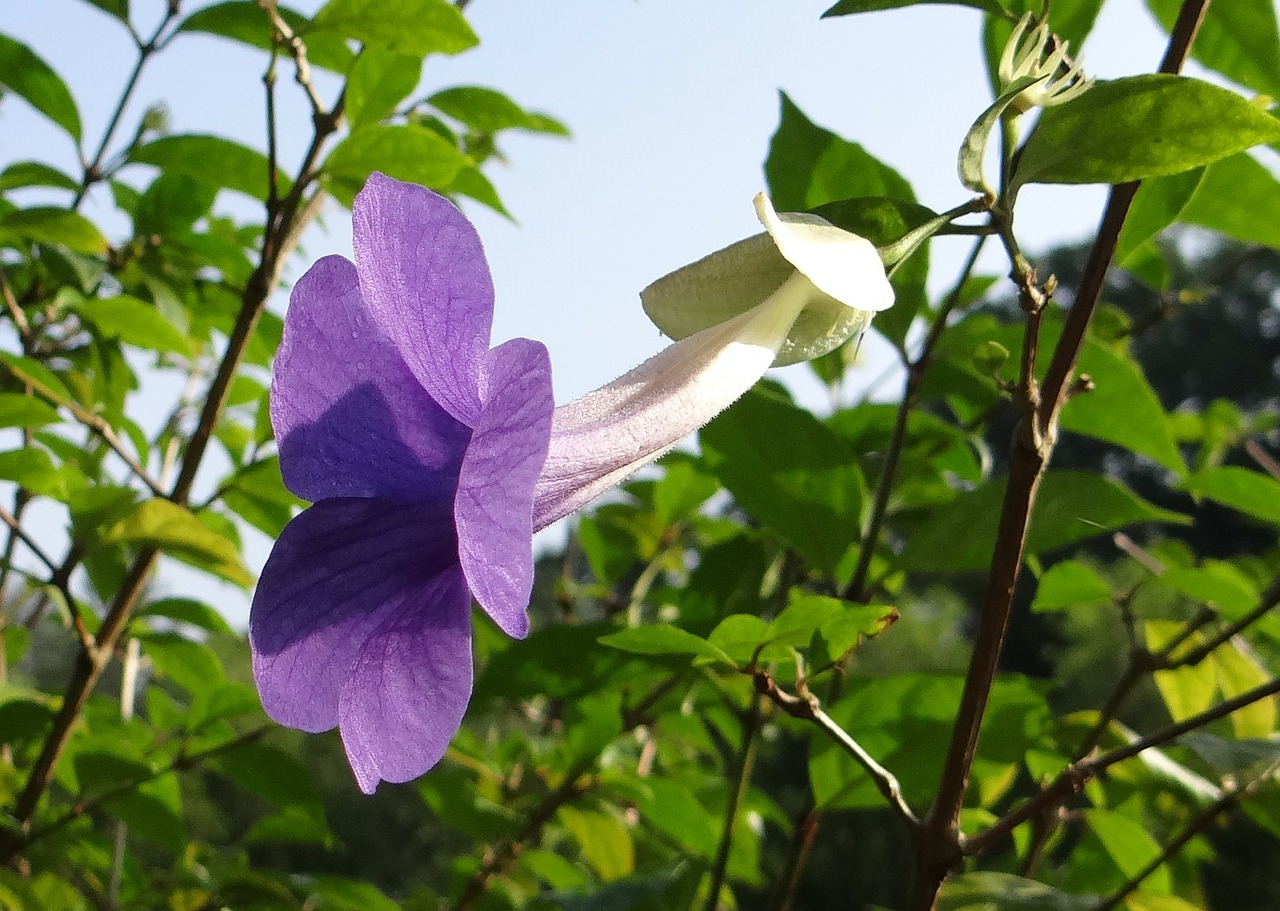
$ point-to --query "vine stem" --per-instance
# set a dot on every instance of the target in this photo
(940, 846)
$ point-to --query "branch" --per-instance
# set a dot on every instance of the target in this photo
(806, 708)
(746, 760)
(1074, 777)
(941, 847)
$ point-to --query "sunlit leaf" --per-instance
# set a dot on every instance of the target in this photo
(26, 75)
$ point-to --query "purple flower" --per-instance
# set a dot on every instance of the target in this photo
(430, 458)
(419, 446)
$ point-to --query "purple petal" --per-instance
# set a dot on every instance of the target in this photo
(427, 285)
(494, 508)
(350, 418)
(338, 572)
(405, 697)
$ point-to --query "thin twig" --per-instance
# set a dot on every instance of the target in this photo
(1074, 777)
(298, 50)
(15, 528)
(746, 760)
(806, 707)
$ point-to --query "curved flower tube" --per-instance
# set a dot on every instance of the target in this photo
(430, 460)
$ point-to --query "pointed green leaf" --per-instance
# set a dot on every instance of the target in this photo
(1239, 39)
(35, 174)
(418, 27)
(849, 7)
(791, 472)
(17, 410)
(402, 151)
(1238, 197)
(26, 75)
(663, 639)
(1250, 492)
(245, 21)
(808, 166)
(179, 533)
(1069, 585)
(211, 160)
(1070, 506)
(1141, 127)
(134, 322)
(973, 150)
(488, 111)
(54, 225)
(1159, 202)
(379, 80)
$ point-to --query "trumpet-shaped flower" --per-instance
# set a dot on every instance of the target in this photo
(430, 460)
(1032, 51)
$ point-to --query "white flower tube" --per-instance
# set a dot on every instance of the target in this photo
(603, 437)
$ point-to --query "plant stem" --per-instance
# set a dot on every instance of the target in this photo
(746, 760)
(940, 847)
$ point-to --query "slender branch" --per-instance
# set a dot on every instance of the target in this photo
(1263, 458)
(93, 171)
(298, 50)
(806, 830)
(15, 528)
(1074, 777)
(806, 707)
(746, 760)
(183, 762)
(1198, 823)
(498, 859)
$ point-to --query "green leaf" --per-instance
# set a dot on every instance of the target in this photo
(29, 77)
(272, 773)
(17, 410)
(152, 809)
(675, 811)
(213, 161)
(33, 469)
(1070, 506)
(663, 639)
(603, 840)
(1186, 690)
(35, 174)
(179, 533)
(1070, 585)
(53, 225)
(403, 151)
(37, 375)
(849, 7)
(1217, 202)
(991, 891)
(1239, 39)
(1140, 127)
(418, 27)
(740, 636)
(1130, 845)
(791, 472)
(379, 80)
(187, 610)
(1159, 202)
(808, 166)
(134, 322)
(1122, 408)
(246, 22)
(1249, 492)
(174, 202)
(117, 8)
(488, 111)
(191, 665)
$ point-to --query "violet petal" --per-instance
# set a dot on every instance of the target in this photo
(405, 696)
(338, 570)
(494, 508)
(351, 420)
(427, 286)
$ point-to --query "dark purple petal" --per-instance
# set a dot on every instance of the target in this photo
(339, 571)
(405, 697)
(494, 509)
(350, 418)
(427, 285)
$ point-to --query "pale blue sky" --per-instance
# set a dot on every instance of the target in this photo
(671, 103)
